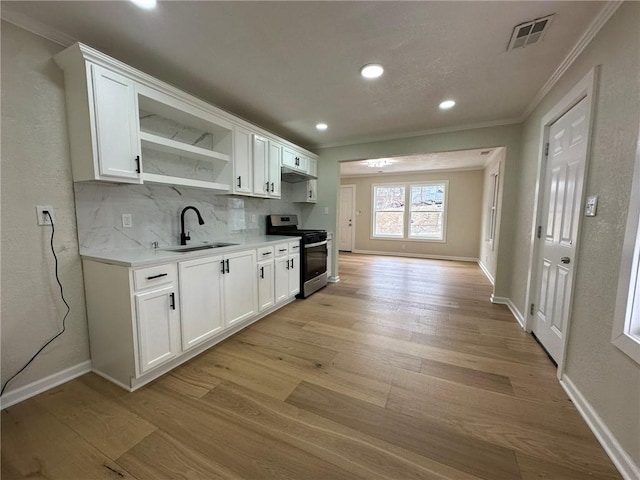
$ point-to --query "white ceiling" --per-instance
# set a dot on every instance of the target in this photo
(289, 65)
(460, 160)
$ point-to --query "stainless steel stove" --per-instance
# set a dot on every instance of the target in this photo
(313, 257)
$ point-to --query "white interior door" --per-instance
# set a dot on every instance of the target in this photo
(345, 221)
(561, 206)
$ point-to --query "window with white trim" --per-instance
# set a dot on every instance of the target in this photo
(626, 327)
(492, 218)
(410, 211)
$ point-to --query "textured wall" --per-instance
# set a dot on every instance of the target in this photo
(608, 378)
(507, 136)
(36, 170)
(463, 214)
(489, 255)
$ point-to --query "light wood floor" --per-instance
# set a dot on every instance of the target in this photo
(403, 370)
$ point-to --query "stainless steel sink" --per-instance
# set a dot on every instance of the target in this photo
(208, 246)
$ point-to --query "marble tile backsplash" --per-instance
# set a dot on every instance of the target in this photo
(156, 215)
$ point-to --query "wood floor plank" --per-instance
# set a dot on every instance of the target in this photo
(110, 427)
(410, 374)
(161, 457)
(570, 449)
(37, 445)
(252, 375)
(477, 457)
(367, 389)
(351, 450)
(250, 453)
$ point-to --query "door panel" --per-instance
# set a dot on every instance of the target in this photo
(345, 221)
(561, 206)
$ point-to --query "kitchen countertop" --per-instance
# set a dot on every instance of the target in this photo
(139, 257)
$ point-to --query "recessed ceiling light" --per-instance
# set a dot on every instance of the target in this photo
(372, 70)
(322, 126)
(146, 4)
(447, 104)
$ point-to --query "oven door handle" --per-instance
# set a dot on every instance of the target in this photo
(324, 242)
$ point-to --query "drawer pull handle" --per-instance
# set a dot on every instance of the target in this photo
(157, 276)
(266, 253)
(282, 250)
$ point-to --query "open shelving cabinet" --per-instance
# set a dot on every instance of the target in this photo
(182, 144)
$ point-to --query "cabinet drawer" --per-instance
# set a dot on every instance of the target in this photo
(265, 253)
(153, 276)
(282, 249)
(294, 247)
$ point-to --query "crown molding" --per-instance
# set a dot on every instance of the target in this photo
(433, 131)
(38, 28)
(603, 17)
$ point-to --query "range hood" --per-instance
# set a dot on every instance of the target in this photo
(290, 175)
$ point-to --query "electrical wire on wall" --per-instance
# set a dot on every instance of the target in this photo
(64, 320)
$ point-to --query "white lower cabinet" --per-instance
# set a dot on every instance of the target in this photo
(200, 300)
(239, 286)
(266, 285)
(145, 321)
(287, 271)
(294, 274)
(158, 327)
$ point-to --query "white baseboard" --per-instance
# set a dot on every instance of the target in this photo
(47, 383)
(417, 255)
(620, 458)
(485, 270)
(514, 310)
(333, 279)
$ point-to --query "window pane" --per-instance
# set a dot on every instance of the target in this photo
(389, 224)
(389, 198)
(427, 211)
(428, 198)
(426, 225)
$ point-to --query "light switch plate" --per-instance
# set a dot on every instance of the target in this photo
(127, 220)
(591, 206)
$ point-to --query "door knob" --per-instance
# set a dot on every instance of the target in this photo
(565, 260)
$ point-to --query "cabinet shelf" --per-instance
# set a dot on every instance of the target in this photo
(185, 182)
(167, 145)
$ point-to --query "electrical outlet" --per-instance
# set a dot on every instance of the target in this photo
(127, 220)
(326, 210)
(43, 218)
(254, 219)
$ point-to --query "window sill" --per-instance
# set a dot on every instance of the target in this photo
(403, 239)
(629, 345)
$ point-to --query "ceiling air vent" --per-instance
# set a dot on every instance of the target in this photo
(529, 33)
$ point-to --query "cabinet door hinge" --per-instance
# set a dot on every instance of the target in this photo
(539, 231)
(532, 309)
(546, 150)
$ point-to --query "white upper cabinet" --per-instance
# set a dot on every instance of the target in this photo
(261, 178)
(275, 160)
(307, 192)
(126, 126)
(242, 160)
(116, 121)
(266, 167)
(293, 159)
